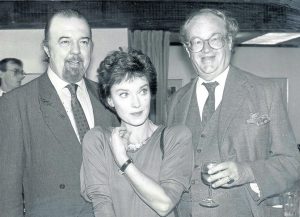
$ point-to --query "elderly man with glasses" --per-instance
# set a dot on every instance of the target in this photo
(11, 74)
(239, 124)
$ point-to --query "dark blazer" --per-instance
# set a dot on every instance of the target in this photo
(40, 153)
(253, 127)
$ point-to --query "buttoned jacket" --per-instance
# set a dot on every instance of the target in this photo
(40, 153)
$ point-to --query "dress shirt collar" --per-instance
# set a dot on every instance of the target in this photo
(221, 79)
(60, 84)
(1, 91)
(202, 93)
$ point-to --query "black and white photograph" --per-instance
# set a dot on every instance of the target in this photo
(145, 108)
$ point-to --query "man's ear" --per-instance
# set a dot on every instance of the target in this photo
(92, 46)
(230, 43)
(187, 50)
(110, 102)
(1, 74)
(46, 49)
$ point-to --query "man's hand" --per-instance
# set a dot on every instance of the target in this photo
(228, 174)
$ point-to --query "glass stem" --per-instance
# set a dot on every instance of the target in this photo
(209, 192)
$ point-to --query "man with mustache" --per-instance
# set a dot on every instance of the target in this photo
(238, 121)
(43, 123)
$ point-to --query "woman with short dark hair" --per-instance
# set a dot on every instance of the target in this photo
(134, 170)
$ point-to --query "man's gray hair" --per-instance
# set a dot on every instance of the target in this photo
(231, 23)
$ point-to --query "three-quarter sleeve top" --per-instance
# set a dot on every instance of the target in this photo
(111, 192)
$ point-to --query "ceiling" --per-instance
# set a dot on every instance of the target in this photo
(255, 17)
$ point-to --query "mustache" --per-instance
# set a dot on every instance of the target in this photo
(75, 58)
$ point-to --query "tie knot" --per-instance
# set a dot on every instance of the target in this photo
(211, 86)
(72, 88)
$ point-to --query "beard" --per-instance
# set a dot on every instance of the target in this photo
(73, 70)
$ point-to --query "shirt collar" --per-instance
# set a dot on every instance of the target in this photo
(58, 83)
(221, 79)
(1, 91)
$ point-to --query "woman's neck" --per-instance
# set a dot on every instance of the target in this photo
(138, 134)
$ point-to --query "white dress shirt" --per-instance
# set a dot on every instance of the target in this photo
(65, 97)
(202, 92)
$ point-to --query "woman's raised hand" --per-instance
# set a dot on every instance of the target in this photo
(119, 143)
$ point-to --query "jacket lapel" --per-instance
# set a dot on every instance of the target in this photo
(55, 116)
(184, 103)
(235, 92)
(95, 100)
(102, 116)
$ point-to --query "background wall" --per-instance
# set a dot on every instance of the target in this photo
(179, 65)
(263, 61)
(26, 45)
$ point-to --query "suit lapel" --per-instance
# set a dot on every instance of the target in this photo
(235, 92)
(184, 103)
(95, 100)
(193, 120)
(102, 116)
(55, 116)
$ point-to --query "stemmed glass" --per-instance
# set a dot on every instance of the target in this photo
(207, 202)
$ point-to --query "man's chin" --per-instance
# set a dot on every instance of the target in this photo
(73, 77)
(206, 71)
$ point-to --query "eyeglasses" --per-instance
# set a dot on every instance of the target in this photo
(216, 41)
(17, 71)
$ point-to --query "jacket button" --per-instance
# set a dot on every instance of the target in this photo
(196, 166)
(62, 186)
(193, 182)
(202, 135)
(199, 150)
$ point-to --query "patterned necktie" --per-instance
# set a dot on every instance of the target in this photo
(209, 106)
(79, 116)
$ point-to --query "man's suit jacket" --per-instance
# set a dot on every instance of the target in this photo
(40, 152)
(253, 127)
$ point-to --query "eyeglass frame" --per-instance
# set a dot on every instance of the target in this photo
(224, 39)
(17, 71)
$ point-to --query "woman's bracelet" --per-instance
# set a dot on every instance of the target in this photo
(124, 166)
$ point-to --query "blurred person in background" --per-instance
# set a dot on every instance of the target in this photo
(11, 74)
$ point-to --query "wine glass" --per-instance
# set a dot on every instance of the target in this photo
(207, 202)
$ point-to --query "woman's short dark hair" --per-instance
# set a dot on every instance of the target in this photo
(121, 65)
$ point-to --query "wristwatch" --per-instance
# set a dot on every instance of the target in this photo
(124, 166)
